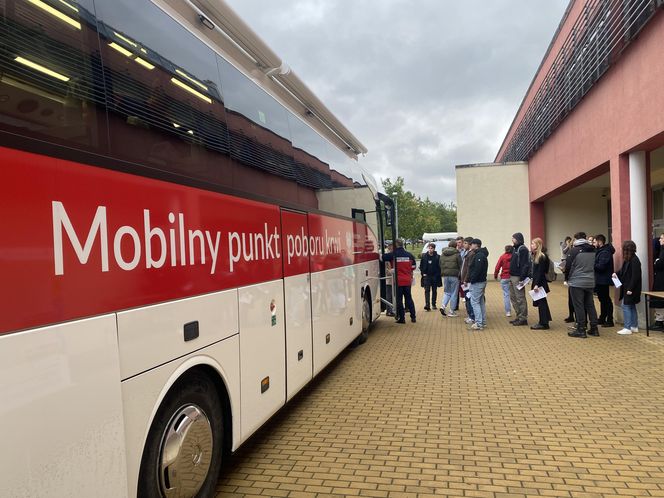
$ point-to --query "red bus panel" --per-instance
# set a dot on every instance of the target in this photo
(78, 241)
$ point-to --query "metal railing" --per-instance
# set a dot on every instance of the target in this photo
(599, 36)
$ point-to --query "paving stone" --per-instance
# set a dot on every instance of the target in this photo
(434, 409)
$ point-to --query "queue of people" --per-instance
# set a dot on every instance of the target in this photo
(586, 262)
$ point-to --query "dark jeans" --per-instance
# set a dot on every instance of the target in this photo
(469, 307)
(405, 291)
(434, 294)
(544, 312)
(605, 303)
(570, 305)
(582, 298)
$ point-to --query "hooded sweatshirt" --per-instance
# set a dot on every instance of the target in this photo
(479, 266)
(520, 263)
(581, 264)
(604, 264)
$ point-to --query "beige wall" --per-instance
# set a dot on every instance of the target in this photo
(579, 210)
(492, 204)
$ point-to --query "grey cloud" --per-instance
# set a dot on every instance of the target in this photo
(424, 85)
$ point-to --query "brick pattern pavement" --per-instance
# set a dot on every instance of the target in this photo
(433, 409)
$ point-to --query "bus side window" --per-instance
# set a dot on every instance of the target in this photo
(165, 105)
(51, 84)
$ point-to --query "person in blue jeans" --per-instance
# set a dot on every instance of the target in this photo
(630, 290)
(477, 272)
(503, 270)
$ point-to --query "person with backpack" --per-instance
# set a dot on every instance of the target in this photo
(520, 269)
(477, 272)
(541, 277)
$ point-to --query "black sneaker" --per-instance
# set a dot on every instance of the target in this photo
(569, 319)
(442, 311)
(427, 308)
(581, 334)
(401, 320)
(608, 324)
(412, 319)
(519, 323)
(594, 331)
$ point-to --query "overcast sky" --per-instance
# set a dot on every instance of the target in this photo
(423, 84)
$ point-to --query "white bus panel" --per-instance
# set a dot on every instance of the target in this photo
(299, 360)
(154, 335)
(335, 324)
(61, 412)
(262, 353)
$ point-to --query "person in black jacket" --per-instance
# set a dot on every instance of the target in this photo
(658, 285)
(477, 279)
(519, 271)
(540, 268)
(430, 270)
(603, 271)
(630, 290)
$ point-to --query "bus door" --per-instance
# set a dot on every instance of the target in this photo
(297, 297)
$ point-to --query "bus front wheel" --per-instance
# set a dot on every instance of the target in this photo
(183, 451)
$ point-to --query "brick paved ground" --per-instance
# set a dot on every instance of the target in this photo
(432, 409)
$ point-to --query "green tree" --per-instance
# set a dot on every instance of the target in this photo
(417, 215)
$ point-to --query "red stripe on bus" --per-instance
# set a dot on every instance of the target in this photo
(79, 241)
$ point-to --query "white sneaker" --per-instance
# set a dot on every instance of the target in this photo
(508, 314)
(624, 332)
(475, 326)
(469, 320)
(634, 329)
(451, 314)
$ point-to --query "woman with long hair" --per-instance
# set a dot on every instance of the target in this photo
(540, 268)
(630, 290)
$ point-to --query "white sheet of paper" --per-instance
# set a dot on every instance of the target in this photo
(537, 294)
(523, 283)
(616, 282)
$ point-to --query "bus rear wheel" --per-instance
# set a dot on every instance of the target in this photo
(183, 452)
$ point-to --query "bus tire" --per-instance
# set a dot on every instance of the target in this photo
(184, 448)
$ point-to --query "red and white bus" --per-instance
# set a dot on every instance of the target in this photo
(181, 244)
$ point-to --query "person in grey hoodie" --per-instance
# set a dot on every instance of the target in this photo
(581, 281)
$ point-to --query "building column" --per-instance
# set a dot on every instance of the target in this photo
(537, 222)
(620, 203)
(639, 191)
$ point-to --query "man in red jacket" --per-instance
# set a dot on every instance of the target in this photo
(404, 264)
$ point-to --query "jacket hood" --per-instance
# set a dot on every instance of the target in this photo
(518, 236)
(483, 250)
(584, 246)
(606, 247)
(448, 251)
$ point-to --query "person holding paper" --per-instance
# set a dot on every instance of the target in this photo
(519, 270)
(540, 267)
(630, 290)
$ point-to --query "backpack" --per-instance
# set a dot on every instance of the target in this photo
(551, 272)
